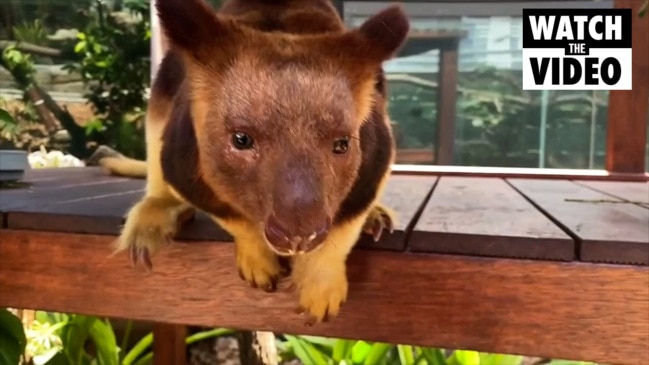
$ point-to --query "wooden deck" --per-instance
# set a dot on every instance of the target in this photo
(545, 267)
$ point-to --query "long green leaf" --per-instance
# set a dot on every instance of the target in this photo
(142, 345)
(75, 335)
(434, 356)
(342, 349)
(360, 350)
(105, 342)
(145, 343)
(406, 355)
(306, 352)
(377, 353)
(322, 341)
(216, 332)
(145, 360)
(467, 357)
(125, 338)
(500, 359)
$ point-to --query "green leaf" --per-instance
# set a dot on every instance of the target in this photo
(467, 357)
(74, 337)
(306, 352)
(105, 342)
(406, 355)
(499, 359)
(433, 356)
(377, 353)
(6, 118)
(342, 349)
(78, 48)
(9, 349)
(134, 355)
(13, 328)
(139, 348)
(199, 336)
(323, 341)
(360, 350)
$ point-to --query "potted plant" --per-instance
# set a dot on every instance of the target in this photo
(13, 161)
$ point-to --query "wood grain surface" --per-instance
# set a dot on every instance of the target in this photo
(615, 232)
(635, 192)
(169, 346)
(474, 216)
(406, 196)
(593, 312)
(486, 217)
(85, 200)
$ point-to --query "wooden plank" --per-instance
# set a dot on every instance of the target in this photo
(52, 174)
(446, 100)
(405, 195)
(593, 312)
(37, 199)
(486, 217)
(102, 213)
(169, 344)
(101, 208)
(608, 232)
(626, 132)
(93, 215)
(636, 192)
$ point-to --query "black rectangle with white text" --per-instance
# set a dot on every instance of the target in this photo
(577, 49)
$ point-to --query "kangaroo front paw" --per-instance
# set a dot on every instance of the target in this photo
(322, 297)
(380, 218)
(149, 225)
(259, 268)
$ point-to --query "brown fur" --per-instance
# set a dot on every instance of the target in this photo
(288, 74)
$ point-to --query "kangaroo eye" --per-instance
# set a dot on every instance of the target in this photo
(341, 145)
(242, 141)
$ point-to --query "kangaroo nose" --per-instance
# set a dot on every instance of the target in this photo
(287, 239)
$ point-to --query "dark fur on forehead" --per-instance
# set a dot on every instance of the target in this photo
(194, 27)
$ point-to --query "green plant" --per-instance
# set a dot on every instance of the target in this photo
(12, 338)
(8, 124)
(32, 32)
(114, 63)
(325, 351)
(70, 339)
(21, 128)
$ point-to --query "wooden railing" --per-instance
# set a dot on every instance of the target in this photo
(485, 258)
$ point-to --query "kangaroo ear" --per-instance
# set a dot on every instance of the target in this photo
(191, 25)
(384, 33)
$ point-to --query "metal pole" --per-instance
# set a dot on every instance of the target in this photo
(543, 127)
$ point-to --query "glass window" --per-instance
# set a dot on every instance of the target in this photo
(496, 123)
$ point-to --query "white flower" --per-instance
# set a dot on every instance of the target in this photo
(43, 158)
